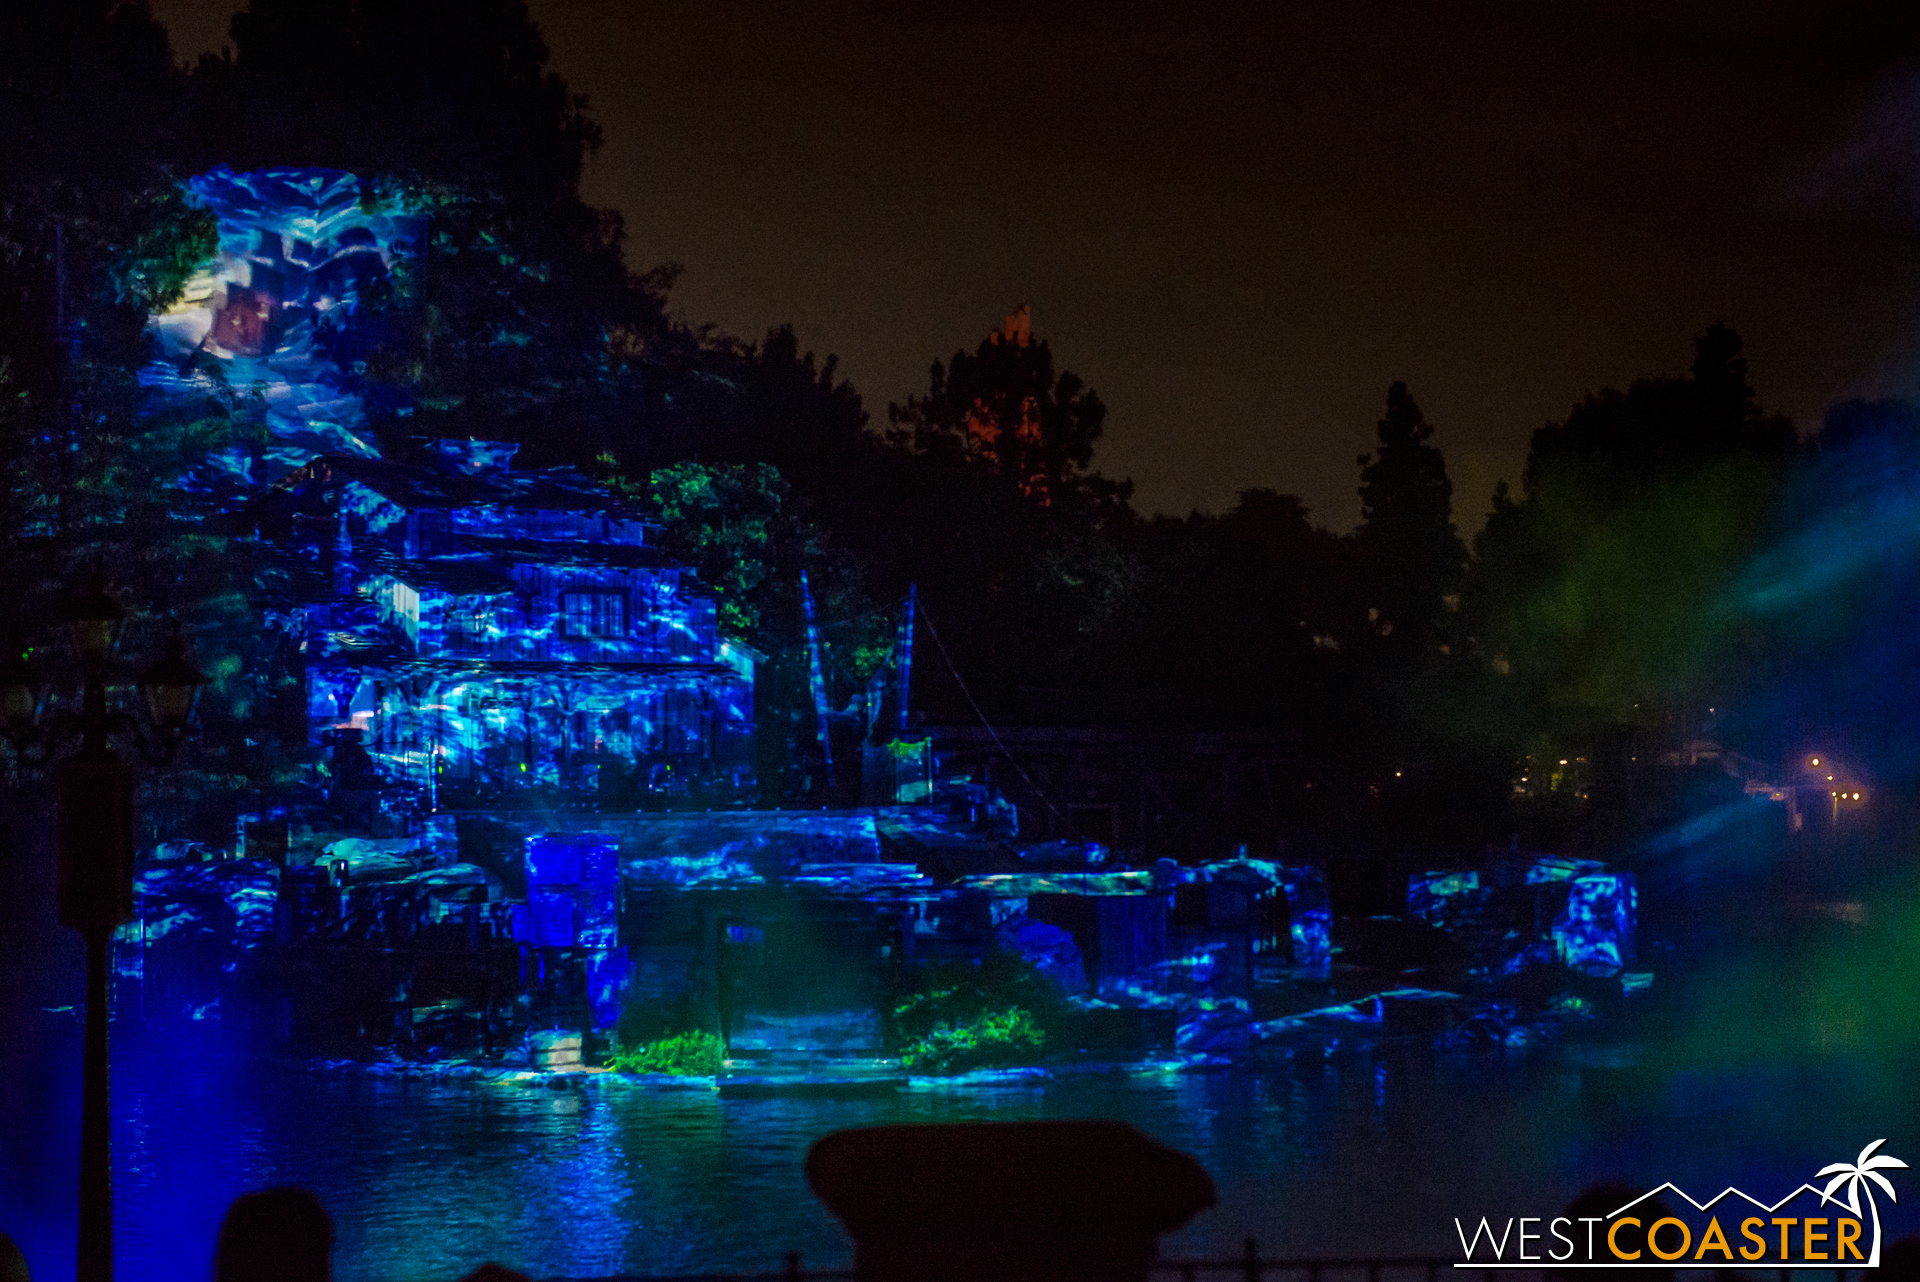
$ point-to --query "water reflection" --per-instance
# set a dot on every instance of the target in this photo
(1340, 1155)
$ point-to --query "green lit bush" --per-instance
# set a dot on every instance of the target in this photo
(960, 993)
(997, 1014)
(681, 1055)
(994, 1039)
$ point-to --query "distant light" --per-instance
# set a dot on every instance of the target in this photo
(1563, 761)
(1856, 796)
(1829, 778)
(1814, 762)
(1396, 774)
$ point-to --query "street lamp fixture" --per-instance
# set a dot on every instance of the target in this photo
(21, 694)
(93, 620)
(169, 692)
(171, 688)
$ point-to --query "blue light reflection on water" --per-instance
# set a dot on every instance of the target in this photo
(427, 1180)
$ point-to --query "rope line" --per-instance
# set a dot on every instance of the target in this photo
(926, 616)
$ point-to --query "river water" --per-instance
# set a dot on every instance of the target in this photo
(1753, 1070)
(1361, 1155)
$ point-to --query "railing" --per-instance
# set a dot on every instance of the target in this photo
(1250, 1267)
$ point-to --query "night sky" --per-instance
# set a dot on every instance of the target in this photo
(1240, 222)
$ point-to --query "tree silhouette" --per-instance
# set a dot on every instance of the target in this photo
(1411, 557)
(1606, 585)
(521, 314)
(92, 227)
(1003, 407)
(1855, 1175)
(454, 92)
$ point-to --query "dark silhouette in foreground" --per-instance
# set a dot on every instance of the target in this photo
(1015, 1201)
(277, 1235)
(13, 1265)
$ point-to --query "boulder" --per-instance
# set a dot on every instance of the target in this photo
(1219, 1030)
(1050, 949)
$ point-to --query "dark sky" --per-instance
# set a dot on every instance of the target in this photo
(1240, 222)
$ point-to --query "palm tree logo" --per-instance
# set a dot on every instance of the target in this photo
(1855, 1175)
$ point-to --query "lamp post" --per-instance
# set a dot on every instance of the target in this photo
(93, 798)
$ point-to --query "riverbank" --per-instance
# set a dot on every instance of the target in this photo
(593, 1078)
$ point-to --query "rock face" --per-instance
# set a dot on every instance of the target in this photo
(1050, 949)
(1005, 1201)
(279, 309)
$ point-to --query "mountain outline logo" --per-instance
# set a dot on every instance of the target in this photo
(1706, 1245)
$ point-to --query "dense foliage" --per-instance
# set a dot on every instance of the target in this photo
(1001, 1013)
(992, 1039)
(693, 1054)
(1004, 408)
(1659, 557)
(1411, 558)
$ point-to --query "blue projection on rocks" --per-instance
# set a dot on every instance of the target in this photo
(484, 632)
(514, 850)
(466, 626)
(531, 749)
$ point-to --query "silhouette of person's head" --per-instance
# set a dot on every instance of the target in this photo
(13, 1265)
(279, 1235)
(1900, 1262)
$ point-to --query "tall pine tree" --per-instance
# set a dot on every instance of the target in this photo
(1410, 556)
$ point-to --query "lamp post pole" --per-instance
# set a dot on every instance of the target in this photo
(93, 797)
(94, 791)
